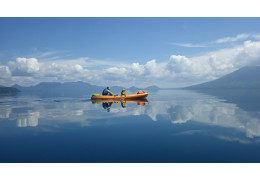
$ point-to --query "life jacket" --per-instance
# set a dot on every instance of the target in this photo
(123, 92)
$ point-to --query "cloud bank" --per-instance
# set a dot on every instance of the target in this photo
(177, 71)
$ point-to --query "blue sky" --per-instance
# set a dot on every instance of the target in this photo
(168, 52)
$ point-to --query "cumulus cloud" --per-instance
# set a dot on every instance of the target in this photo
(25, 66)
(5, 76)
(5, 72)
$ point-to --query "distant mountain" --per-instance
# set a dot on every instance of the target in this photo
(244, 78)
(8, 90)
(150, 88)
(73, 89)
(68, 89)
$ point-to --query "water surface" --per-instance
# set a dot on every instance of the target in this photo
(173, 126)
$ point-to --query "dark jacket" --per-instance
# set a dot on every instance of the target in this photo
(106, 92)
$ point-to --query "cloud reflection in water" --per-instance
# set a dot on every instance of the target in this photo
(177, 106)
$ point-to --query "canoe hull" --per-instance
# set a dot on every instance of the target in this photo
(129, 96)
(120, 100)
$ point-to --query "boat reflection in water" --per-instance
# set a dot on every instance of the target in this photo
(107, 103)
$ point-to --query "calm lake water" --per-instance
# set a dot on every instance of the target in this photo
(173, 126)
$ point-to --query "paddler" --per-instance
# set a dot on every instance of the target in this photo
(107, 92)
(123, 92)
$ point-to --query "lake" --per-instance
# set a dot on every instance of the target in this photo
(171, 126)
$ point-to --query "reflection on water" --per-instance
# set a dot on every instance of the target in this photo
(185, 111)
(177, 106)
(27, 119)
(106, 104)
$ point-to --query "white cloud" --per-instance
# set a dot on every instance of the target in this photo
(239, 37)
(256, 36)
(233, 39)
(49, 53)
(179, 64)
(189, 45)
(154, 70)
(136, 68)
(25, 66)
(5, 72)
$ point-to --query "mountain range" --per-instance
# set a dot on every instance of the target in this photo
(245, 78)
(241, 87)
(8, 90)
(73, 89)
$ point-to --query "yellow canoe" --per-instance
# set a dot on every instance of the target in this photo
(128, 96)
(120, 100)
(139, 102)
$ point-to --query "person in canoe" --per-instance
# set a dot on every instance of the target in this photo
(107, 92)
(123, 92)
